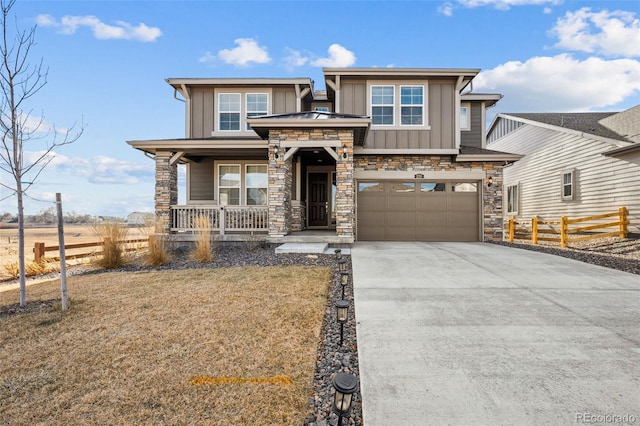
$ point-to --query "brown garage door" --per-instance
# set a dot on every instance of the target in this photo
(418, 211)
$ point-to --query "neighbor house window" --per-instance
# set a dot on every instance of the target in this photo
(321, 109)
(512, 199)
(256, 184)
(568, 185)
(257, 105)
(382, 101)
(465, 117)
(411, 105)
(229, 111)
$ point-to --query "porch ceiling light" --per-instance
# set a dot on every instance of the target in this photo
(345, 385)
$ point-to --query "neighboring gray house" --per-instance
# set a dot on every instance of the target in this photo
(381, 154)
(574, 164)
(140, 218)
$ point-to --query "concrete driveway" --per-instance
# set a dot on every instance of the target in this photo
(481, 334)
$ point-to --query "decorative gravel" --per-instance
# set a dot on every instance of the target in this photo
(622, 254)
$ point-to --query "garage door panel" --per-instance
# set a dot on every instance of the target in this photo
(421, 212)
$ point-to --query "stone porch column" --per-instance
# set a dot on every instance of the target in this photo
(280, 183)
(345, 192)
(166, 191)
(492, 203)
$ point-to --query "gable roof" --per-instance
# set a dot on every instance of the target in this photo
(586, 122)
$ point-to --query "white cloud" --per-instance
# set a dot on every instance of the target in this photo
(446, 9)
(98, 169)
(614, 33)
(121, 30)
(562, 83)
(505, 4)
(338, 57)
(247, 52)
(547, 10)
(294, 59)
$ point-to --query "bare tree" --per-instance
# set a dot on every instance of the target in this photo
(19, 81)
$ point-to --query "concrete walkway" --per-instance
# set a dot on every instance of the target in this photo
(481, 334)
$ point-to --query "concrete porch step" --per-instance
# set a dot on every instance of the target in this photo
(317, 248)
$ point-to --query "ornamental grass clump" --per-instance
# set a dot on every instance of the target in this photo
(202, 252)
(157, 253)
(112, 235)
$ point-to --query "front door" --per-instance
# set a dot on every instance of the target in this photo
(318, 201)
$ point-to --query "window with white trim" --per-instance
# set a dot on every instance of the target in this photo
(257, 105)
(398, 106)
(244, 184)
(256, 183)
(233, 107)
(382, 105)
(568, 185)
(465, 117)
(411, 105)
(512, 199)
(229, 111)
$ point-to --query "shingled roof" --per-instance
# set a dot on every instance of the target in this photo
(587, 122)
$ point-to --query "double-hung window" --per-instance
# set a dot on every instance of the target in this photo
(229, 111)
(465, 117)
(568, 185)
(242, 184)
(382, 105)
(257, 105)
(402, 105)
(411, 105)
(512, 199)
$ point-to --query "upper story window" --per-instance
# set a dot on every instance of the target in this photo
(382, 102)
(257, 105)
(233, 108)
(411, 105)
(229, 111)
(465, 117)
(400, 105)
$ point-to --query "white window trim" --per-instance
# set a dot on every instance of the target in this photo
(467, 106)
(239, 112)
(571, 172)
(517, 201)
(246, 103)
(243, 182)
(397, 106)
(371, 105)
(243, 110)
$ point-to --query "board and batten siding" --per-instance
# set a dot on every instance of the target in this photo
(473, 137)
(602, 184)
(203, 102)
(354, 99)
(201, 181)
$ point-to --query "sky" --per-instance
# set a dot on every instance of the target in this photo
(108, 60)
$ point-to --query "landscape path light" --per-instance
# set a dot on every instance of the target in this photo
(342, 312)
(342, 264)
(344, 280)
(345, 385)
(338, 253)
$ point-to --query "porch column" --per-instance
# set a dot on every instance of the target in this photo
(492, 203)
(280, 183)
(166, 191)
(345, 194)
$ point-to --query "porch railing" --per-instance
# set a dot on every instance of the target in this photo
(222, 218)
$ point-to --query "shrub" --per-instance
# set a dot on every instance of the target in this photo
(45, 266)
(111, 234)
(202, 252)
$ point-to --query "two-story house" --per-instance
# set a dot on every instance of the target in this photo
(381, 154)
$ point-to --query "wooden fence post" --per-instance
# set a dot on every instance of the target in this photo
(624, 230)
(534, 230)
(564, 235)
(38, 252)
(512, 229)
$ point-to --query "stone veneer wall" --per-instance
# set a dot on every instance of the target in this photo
(298, 216)
(282, 216)
(166, 191)
(491, 195)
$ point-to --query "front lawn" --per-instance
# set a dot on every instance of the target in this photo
(220, 346)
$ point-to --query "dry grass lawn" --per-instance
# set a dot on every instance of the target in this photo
(200, 346)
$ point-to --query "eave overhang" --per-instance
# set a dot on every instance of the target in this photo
(312, 120)
(177, 83)
(624, 150)
(469, 153)
(490, 99)
(197, 145)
